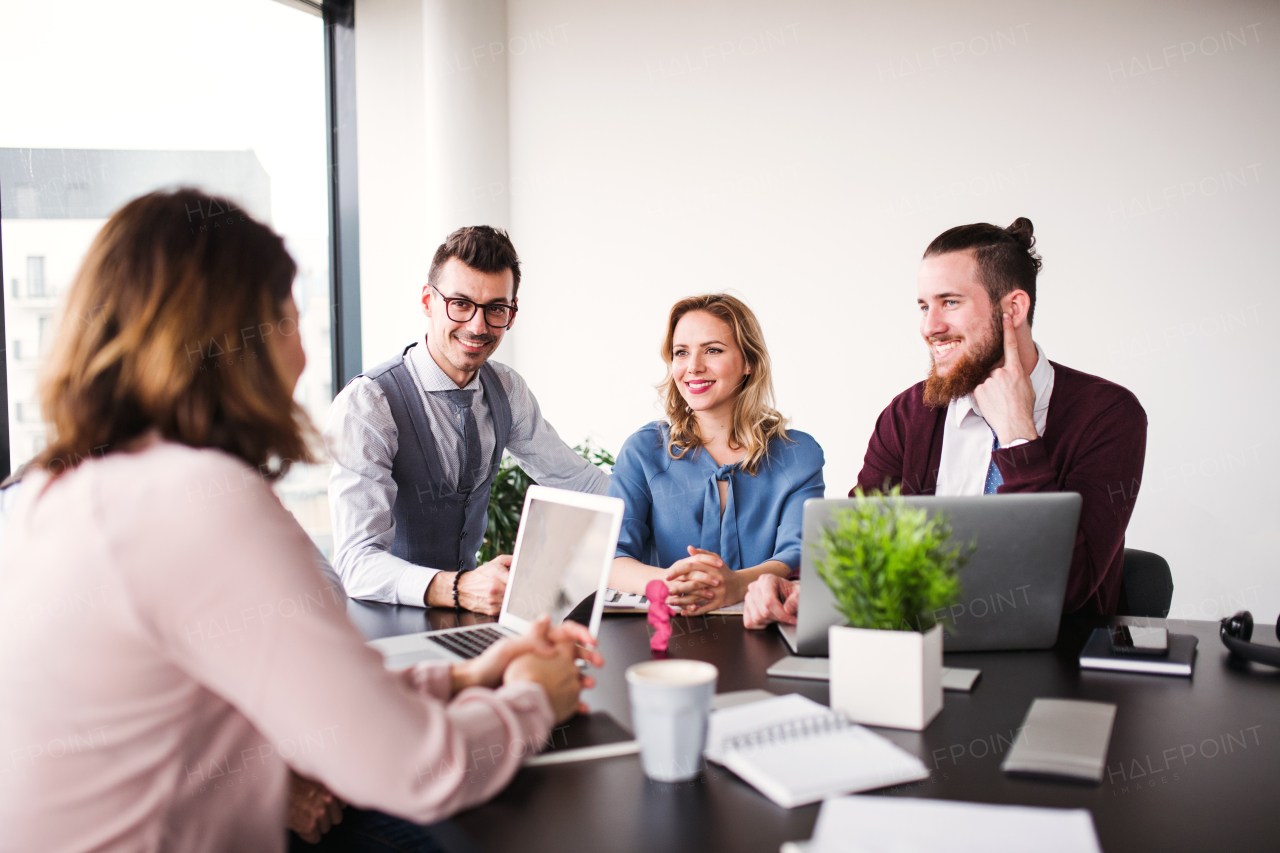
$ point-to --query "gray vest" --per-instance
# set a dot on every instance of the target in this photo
(436, 526)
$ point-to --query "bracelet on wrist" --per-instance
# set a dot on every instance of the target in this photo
(456, 577)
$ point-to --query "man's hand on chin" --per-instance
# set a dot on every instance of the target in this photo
(1006, 397)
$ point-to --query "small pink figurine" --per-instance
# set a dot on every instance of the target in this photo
(659, 614)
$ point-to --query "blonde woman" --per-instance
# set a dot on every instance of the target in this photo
(715, 493)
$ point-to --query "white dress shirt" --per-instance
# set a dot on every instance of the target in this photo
(967, 438)
(362, 440)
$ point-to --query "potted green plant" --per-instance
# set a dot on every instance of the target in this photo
(506, 500)
(893, 574)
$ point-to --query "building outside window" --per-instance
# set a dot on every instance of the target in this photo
(115, 112)
(35, 276)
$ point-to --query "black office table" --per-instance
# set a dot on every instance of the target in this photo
(1193, 763)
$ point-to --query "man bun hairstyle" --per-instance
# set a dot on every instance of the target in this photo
(1007, 259)
(481, 247)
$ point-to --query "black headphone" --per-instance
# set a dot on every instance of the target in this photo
(1236, 631)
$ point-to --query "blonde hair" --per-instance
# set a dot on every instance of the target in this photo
(755, 421)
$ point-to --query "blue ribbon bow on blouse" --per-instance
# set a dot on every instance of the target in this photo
(720, 531)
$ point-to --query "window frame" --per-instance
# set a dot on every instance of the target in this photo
(5, 459)
(344, 211)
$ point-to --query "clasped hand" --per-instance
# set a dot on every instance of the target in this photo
(546, 655)
(700, 583)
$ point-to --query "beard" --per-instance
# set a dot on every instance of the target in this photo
(967, 373)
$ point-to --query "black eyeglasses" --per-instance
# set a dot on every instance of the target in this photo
(497, 315)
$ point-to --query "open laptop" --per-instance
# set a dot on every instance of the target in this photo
(564, 550)
(1011, 589)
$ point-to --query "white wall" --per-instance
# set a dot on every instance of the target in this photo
(431, 108)
(803, 154)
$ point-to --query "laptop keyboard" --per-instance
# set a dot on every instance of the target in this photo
(468, 644)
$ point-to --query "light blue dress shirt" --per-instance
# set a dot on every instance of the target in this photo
(674, 503)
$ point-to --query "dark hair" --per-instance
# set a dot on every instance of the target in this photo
(164, 329)
(1007, 260)
(481, 247)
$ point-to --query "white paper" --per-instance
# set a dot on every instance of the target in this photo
(907, 825)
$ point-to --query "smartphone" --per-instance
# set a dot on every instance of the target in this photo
(1137, 640)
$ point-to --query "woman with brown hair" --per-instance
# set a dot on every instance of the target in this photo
(168, 649)
(715, 493)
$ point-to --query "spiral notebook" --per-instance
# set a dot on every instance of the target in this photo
(795, 751)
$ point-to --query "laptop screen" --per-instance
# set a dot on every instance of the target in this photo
(559, 559)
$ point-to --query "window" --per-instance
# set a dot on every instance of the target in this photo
(117, 100)
(44, 334)
(35, 276)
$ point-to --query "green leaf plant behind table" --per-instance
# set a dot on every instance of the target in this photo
(506, 500)
(892, 570)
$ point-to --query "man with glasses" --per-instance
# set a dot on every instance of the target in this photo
(416, 441)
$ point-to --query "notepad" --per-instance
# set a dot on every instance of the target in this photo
(910, 825)
(1063, 737)
(1179, 660)
(795, 751)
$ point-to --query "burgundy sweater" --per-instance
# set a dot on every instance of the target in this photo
(1094, 443)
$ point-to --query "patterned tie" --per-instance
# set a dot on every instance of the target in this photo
(469, 475)
(994, 478)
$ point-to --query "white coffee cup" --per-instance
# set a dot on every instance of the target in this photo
(670, 703)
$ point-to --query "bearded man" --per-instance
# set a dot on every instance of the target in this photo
(996, 416)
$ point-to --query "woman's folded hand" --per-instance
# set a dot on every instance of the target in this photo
(542, 640)
(701, 583)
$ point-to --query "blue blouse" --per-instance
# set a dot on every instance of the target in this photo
(674, 503)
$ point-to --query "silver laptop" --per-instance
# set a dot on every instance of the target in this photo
(564, 550)
(1011, 590)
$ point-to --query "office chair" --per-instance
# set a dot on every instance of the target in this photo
(1148, 584)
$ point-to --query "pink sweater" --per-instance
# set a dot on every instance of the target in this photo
(168, 648)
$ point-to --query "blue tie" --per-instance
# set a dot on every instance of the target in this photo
(994, 478)
(470, 473)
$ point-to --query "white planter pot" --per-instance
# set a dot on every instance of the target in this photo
(886, 678)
